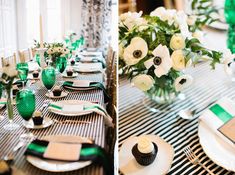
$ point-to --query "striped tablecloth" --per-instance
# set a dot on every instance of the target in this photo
(95, 130)
(135, 119)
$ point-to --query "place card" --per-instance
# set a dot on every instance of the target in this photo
(63, 151)
(73, 108)
(228, 130)
(81, 83)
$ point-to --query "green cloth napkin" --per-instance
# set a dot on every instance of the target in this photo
(97, 85)
(89, 152)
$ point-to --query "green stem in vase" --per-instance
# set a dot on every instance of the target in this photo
(9, 104)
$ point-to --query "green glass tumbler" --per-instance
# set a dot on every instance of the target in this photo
(25, 103)
(229, 13)
(48, 77)
(61, 63)
(23, 70)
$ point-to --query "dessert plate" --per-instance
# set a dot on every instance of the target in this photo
(161, 165)
(50, 95)
(46, 123)
(75, 74)
(60, 166)
(215, 148)
(73, 107)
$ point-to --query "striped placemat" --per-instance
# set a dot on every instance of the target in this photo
(95, 130)
(135, 119)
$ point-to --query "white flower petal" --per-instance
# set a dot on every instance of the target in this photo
(148, 63)
(183, 82)
(143, 82)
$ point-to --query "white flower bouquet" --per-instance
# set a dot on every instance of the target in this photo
(155, 49)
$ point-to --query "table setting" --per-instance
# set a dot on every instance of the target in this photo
(66, 119)
(176, 93)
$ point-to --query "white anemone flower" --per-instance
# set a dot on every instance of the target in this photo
(183, 82)
(164, 14)
(50, 51)
(131, 20)
(135, 51)
(177, 42)
(178, 59)
(181, 20)
(161, 61)
(227, 60)
(143, 82)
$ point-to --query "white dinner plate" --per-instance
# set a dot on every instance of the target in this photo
(219, 25)
(161, 165)
(60, 166)
(75, 74)
(33, 66)
(46, 123)
(71, 103)
(3, 100)
(51, 95)
(88, 67)
(215, 148)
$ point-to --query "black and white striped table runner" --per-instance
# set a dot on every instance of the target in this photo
(95, 130)
(135, 119)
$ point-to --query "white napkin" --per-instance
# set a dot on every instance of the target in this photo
(213, 122)
(63, 151)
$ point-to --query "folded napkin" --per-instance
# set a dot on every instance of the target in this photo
(19, 83)
(218, 115)
(76, 108)
(84, 84)
(63, 151)
(92, 59)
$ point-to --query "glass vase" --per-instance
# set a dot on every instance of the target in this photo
(160, 100)
(10, 113)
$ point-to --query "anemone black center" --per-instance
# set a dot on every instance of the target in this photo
(182, 81)
(157, 61)
(137, 53)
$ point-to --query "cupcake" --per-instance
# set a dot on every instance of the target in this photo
(69, 72)
(72, 62)
(35, 74)
(57, 91)
(4, 168)
(37, 118)
(15, 89)
(145, 151)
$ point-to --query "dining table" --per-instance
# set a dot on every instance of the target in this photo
(93, 126)
(137, 115)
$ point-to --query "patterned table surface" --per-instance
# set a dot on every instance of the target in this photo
(95, 130)
(135, 119)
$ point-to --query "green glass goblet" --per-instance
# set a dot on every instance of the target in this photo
(23, 70)
(48, 77)
(61, 63)
(37, 58)
(25, 104)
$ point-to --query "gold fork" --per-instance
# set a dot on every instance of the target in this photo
(195, 159)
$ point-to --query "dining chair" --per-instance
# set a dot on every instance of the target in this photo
(25, 55)
(8, 60)
(109, 68)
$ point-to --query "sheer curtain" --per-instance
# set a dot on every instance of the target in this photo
(56, 17)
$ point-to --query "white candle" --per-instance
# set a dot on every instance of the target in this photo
(41, 33)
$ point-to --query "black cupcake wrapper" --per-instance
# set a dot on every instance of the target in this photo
(144, 158)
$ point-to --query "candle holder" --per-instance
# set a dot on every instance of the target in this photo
(41, 52)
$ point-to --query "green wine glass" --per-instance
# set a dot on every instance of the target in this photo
(37, 58)
(61, 63)
(23, 70)
(48, 77)
(25, 104)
